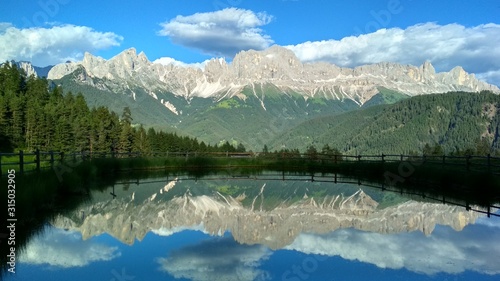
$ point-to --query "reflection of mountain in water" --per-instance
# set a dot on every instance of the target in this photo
(256, 215)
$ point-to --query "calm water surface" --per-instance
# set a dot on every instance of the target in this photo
(247, 229)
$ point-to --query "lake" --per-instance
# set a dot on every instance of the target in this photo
(247, 227)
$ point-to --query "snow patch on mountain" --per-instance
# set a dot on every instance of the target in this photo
(275, 66)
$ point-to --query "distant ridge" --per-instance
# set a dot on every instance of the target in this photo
(30, 69)
(275, 66)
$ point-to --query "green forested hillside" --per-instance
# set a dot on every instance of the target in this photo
(253, 118)
(33, 116)
(455, 121)
(385, 96)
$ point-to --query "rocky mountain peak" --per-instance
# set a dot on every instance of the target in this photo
(274, 63)
(278, 66)
(428, 69)
(27, 67)
(142, 57)
(90, 60)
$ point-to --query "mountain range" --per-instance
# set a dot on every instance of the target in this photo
(267, 213)
(276, 66)
(254, 99)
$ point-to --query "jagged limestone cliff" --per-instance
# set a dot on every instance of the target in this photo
(276, 66)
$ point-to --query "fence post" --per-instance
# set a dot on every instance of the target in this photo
(467, 162)
(489, 163)
(401, 158)
(444, 159)
(383, 156)
(21, 162)
(37, 159)
(52, 159)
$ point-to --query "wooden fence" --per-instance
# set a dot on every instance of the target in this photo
(37, 160)
(34, 161)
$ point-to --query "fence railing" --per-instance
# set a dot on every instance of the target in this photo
(38, 160)
(32, 161)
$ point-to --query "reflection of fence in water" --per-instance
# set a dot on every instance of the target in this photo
(38, 160)
(490, 210)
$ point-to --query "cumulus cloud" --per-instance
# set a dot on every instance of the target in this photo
(220, 33)
(477, 48)
(169, 60)
(52, 45)
(447, 251)
(217, 259)
(60, 248)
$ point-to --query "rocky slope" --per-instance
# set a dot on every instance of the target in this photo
(128, 219)
(277, 66)
(30, 69)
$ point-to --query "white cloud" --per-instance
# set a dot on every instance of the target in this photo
(445, 250)
(490, 76)
(60, 248)
(56, 44)
(217, 259)
(221, 33)
(477, 48)
(169, 60)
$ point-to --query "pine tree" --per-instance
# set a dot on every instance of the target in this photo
(141, 141)
(3, 116)
(240, 148)
(33, 125)
(265, 150)
(126, 134)
(312, 152)
(37, 89)
(126, 138)
(17, 107)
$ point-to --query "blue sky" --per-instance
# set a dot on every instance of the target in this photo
(347, 33)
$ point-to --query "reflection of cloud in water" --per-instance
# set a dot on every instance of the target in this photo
(61, 248)
(170, 231)
(217, 259)
(490, 222)
(475, 248)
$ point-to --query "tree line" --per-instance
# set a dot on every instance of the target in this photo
(455, 123)
(35, 114)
